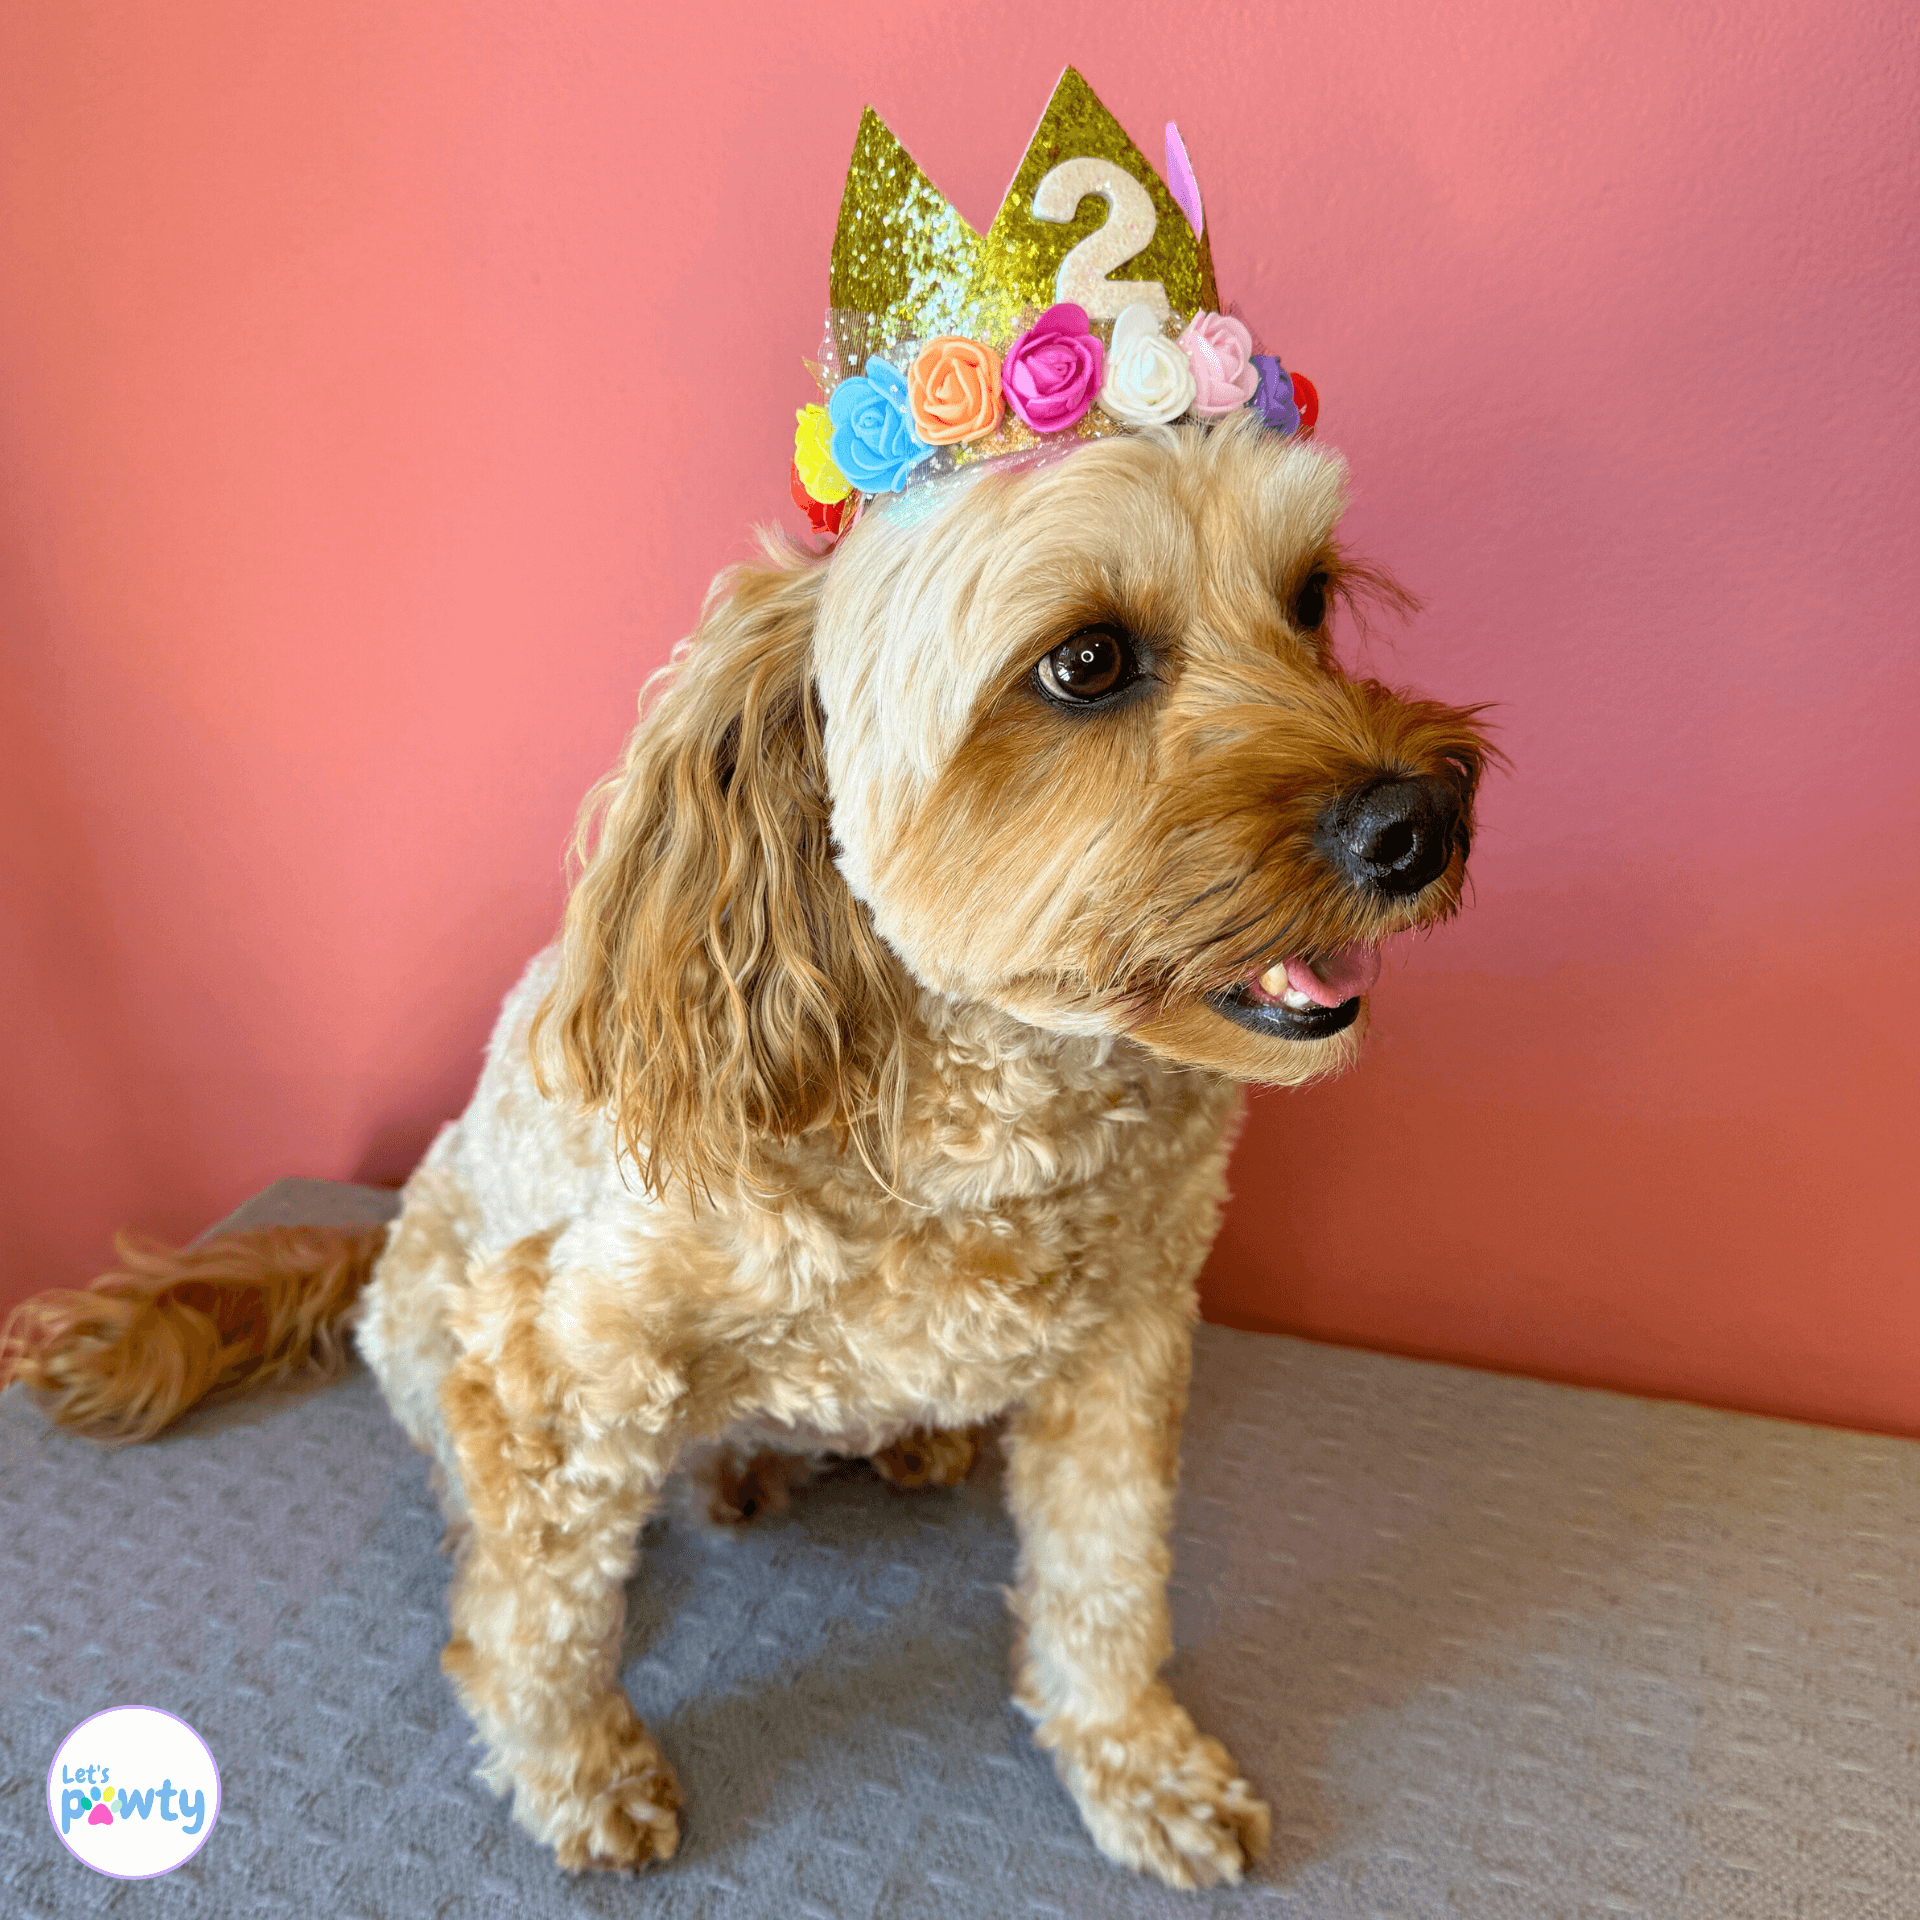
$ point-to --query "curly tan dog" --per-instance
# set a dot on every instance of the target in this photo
(884, 1080)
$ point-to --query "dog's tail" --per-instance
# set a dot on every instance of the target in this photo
(123, 1358)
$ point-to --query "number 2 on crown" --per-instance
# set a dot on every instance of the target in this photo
(1126, 232)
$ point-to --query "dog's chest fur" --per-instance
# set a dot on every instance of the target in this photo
(1043, 1184)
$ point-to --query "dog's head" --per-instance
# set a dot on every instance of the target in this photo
(1074, 744)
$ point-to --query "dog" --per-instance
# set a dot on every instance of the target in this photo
(881, 1085)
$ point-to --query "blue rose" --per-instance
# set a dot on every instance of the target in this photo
(874, 443)
(1273, 397)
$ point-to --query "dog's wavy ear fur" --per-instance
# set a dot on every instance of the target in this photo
(719, 983)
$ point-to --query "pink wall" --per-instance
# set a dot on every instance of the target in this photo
(379, 386)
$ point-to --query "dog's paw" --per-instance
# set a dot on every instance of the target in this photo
(929, 1457)
(625, 1826)
(618, 1807)
(739, 1488)
(1159, 1796)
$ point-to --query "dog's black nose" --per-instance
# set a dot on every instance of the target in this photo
(1393, 837)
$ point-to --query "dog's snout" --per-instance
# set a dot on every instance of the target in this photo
(1393, 836)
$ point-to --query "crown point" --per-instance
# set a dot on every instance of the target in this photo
(1024, 251)
(903, 259)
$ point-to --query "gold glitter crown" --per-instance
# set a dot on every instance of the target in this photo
(1087, 308)
(907, 266)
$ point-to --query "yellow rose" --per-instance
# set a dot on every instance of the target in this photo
(813, 457)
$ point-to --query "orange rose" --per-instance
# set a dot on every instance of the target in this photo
(954, 390)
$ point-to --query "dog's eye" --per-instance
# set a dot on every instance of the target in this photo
(1095, 664)
(1309, 610)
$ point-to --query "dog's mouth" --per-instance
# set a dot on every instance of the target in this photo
(1302, 997)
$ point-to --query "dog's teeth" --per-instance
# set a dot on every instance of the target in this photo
(1274, 984)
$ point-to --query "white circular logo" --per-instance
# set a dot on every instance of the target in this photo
(133, 1792)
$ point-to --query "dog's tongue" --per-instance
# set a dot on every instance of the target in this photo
(1334, 978)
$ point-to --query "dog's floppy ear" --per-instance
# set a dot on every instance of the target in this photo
(719, 982)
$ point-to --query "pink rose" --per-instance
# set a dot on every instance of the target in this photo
(1219, 349)
(1052, 372)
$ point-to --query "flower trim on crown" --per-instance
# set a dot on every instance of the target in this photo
(881, 427)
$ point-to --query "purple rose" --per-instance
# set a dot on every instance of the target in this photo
(1052, 372)
(1273, 397)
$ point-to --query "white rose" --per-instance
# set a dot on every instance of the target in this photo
(1148, 380)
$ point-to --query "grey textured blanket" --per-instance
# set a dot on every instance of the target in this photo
(1491, 1648)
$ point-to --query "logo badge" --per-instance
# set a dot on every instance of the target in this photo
(133, 1792)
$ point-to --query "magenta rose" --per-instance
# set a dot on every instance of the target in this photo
(1052, 373)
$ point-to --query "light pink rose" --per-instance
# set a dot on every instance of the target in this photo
(1219, 349)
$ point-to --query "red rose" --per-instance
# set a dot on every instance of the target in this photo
(824, 516)
(1306, 396)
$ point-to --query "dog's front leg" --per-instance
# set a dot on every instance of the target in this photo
(538, 1602)
(1091, 1481)
(537, 1610)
